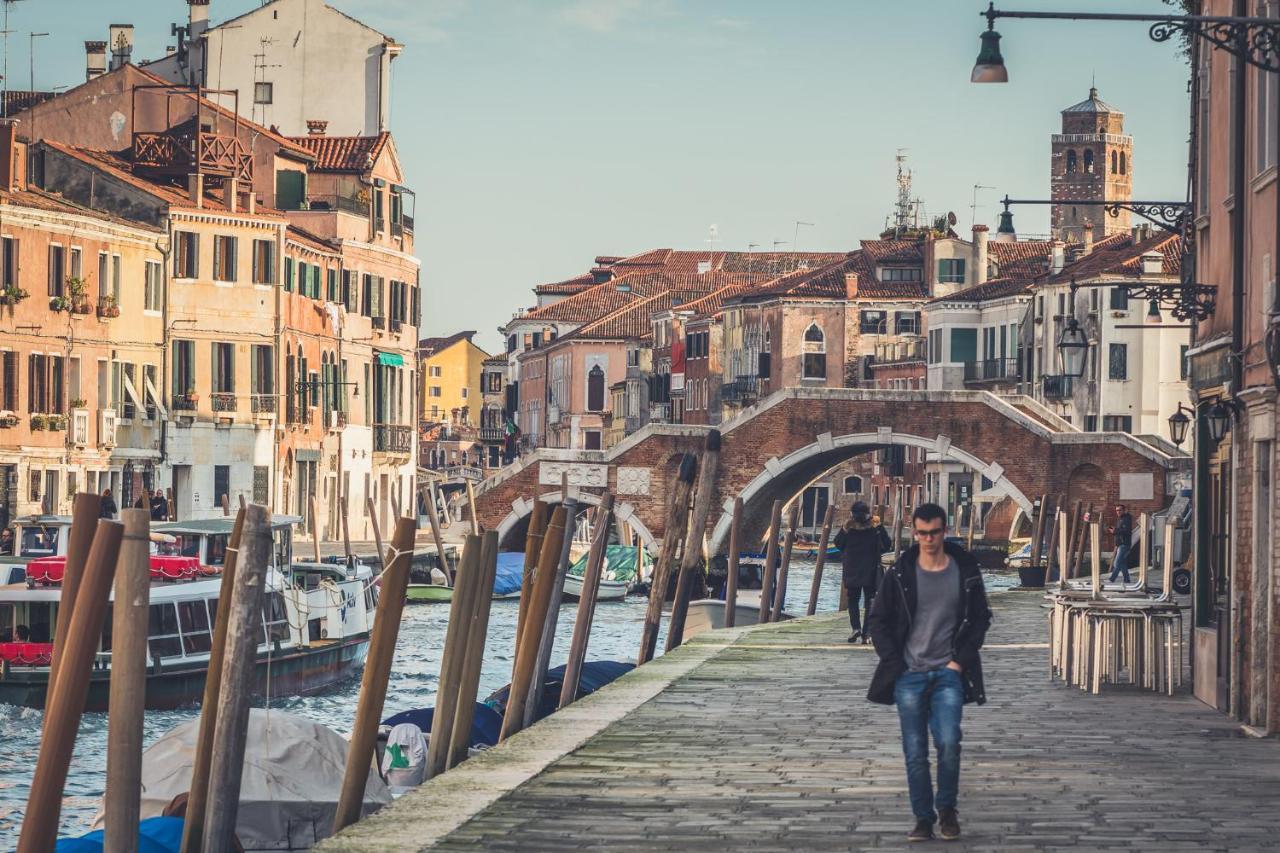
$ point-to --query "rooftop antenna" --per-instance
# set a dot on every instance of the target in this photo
(750, 258)
(4, 80)
(902, 214)
(795, 246)
(776, 259)
(260, 66)
(973, 208)
(712, 233)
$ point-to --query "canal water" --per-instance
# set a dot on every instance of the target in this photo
(615, 635)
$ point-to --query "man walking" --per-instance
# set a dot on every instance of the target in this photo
(861, 542)
(928, 621)
(1124, 537)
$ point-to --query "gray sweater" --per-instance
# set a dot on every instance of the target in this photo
(934, 626)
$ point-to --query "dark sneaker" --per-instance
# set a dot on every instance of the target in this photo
(857, 635)
(922, 832)
(948, 824)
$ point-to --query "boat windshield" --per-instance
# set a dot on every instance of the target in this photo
(38, 541)
(184, 545)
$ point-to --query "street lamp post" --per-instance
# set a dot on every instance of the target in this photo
(1178, 423)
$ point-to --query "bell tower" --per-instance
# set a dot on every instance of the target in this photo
(1091, 160)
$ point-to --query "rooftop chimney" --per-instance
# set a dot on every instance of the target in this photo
(316, 126)
(1057, 258)
(120, 39)
(95, 59)
(13, 158)
(980, 258)
(1087, 235)
(600, 275)
(851, 285)
(198, 18)
(1152, 263)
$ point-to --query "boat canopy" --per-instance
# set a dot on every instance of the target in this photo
(220, 524)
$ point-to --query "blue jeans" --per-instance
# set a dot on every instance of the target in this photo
(1120, 563)
(931, 702)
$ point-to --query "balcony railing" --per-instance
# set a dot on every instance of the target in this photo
(328, 202)
(744, 389)
(659, 411)
(185, 152)
(378, 322)
(990, 369)
(263, 404)
(223, 402)
(463, 472)
(392, 438)
(1057, 387)
(491, 434)
(395, 325)
(184, 403)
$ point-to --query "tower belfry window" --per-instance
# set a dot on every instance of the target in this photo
(1115, 162)
(1088, 161)
(1123, 164)
(1071, 161)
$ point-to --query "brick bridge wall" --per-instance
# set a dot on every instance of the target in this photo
(774, 449)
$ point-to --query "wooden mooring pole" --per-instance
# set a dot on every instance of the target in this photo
(377, 534)
(555, 595)
(477, 638)
(821, 560)
(198, 796)
(128, 688)
(702, 501)
(456, 637)
(731, 582)
(471, 503)
(770, 561)
(677, 521)
(532, 546)
(315, 531)
(437, 538)
(244, 634)
(784, 570)
(587, 604)
(377, 670)
(86, 509)
(65, 706)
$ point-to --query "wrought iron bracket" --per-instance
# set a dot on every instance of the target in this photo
(1172, 216)
(1252, 39)
(1187, 301)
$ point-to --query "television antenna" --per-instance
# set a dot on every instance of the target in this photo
(973, 208)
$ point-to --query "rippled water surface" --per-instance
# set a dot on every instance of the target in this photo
(615, 635)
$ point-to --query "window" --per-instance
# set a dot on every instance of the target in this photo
(44, 384)
(262, 93)
(153, 287)
(9, 378)
(435, 391)
(288, 274)
(194, 621)
(935, 346)
(184, 367)
(465, 391)
(224, 369)
(873, 323)
(1088, 161)
(224, 258)
(595, 390)
(264, 262)
(57, 270)
(1118, 362)
(591, 439)
(1071, 161)
(853, 485)
(275, 620)
(75, 269)
(1182, 361)
(1115, 162)
(906, 322)
(221, 483)
(1117, 423)
(186, 253)
(1123, 163)
(9, 258)
(902, 274)
(1119, 299)
(815, 353)
(163, 637)
(964, 345)
(951, 270)
(434, 371)
(117, 279)
(331, 285)
(151, 389)
(262, 370)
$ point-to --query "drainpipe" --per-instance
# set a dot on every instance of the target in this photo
(1238, 151)
(165, 247)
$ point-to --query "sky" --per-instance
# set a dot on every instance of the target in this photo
(538, 134)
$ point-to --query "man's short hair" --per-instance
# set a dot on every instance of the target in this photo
(929, 512)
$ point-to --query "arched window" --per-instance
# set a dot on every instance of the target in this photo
(1123, 164)
(1115, 162)
(1071, 161)
(853, 485)
(1088, 161)
(815, 353)
(595, 389)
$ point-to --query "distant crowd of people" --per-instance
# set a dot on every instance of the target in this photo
(155, 502)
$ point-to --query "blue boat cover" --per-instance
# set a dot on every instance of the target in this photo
(485, 726)
(595, 674)
(510, 573)
(155, 835)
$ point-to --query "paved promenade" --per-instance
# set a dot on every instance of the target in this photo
(761, 739)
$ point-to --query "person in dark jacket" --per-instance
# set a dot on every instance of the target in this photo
(861, 542)
(1123, 530)
(108, 505)
(929, 619)
(159, 506)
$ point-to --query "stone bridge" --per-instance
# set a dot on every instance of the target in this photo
(777, 447)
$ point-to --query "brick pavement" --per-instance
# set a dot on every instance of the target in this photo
(769, 744)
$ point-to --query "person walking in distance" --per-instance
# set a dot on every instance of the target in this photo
(108, 508)
(861, 542)
(929, 619)
(1123, 530)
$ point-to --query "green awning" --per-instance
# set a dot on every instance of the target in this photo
(391, 359)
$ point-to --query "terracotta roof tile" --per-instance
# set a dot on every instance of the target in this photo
(996, 288)
(1119, 255)
(343, 153)
(429, 346)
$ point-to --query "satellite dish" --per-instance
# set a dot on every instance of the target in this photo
(951, 217)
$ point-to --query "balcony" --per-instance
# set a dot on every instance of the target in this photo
(660, 412)
(392, 438)
(492, 434)
(223, 402)
(378, 322)
(179, 153)
(330, 201)
(991, 370)
(395, 325)
(185, 402)
(1057, 387)
(263, 404)
(744, 390)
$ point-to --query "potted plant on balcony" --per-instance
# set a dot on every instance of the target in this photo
(57, 423)
(78, 295)
(191, 398)
(39, 422)
(12, 295)
(107, 307)
(59, 303)
(9, 420)
(79, 403)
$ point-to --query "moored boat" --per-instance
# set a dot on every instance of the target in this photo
(316, 620)
(707, 614)
(617, 576)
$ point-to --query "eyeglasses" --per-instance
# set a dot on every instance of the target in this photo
(929, 534)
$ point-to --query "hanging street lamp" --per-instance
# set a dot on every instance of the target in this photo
(1073, 347)
(990, 65)
(1178, 423)
(1218, 419)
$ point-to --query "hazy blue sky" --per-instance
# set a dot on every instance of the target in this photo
(541, 133)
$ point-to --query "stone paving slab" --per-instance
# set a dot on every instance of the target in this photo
(761, 739)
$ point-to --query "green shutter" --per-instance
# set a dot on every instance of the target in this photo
(291, 189)
(288, 274)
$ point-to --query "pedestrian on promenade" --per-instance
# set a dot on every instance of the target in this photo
(108, 509)
(1123, 530)
(929, 619)
(861, 541)
(159, 506)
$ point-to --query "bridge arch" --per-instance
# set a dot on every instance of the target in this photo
(512, 527)
(785, 477)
